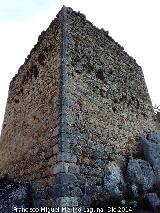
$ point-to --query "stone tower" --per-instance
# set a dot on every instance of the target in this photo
(77, 103)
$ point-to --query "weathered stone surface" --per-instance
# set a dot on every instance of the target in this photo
(114, 181)
(81, 180)
(134, 190)
(61, 167)
(73, 168)
(154, 137)
(140, 172)
(68, 179)
(86, 200)
(67, 201)
(67, 157)
(76, 192)
(152, 154)
(13, 195)
(59, 190)
(154, 201)
(75, 106)
(19, 194)
(31, 127)
(107, 104)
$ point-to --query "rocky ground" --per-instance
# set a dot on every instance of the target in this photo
(138, 183)
(133, 183)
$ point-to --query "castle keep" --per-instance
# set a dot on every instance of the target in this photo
(76, 105)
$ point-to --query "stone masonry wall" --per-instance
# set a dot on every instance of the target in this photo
(73, 113)
(107, 96)
(29, 139)
(107, 103)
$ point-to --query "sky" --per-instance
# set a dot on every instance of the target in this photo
(135, 24)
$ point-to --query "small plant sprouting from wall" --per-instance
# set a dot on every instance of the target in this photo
(157, 111)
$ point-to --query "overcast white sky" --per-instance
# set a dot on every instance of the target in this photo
(135, 24)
